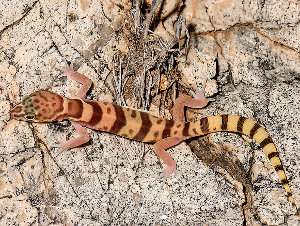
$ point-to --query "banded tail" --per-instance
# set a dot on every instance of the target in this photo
(246, 126)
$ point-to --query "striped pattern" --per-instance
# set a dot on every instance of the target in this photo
(224, 122)
(167, 130)
(144, 127)
(249, 127)
(96, 115)
(120, 120)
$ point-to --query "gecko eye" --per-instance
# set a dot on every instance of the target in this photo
(29, 117)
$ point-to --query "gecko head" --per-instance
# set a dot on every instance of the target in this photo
(40, 106)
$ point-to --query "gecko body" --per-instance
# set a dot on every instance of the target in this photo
(46, 106)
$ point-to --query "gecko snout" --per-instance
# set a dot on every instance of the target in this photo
(17, 112)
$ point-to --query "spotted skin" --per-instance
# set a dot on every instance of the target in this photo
(41, 106)
(46, 106)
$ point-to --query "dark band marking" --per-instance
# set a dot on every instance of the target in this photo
(167, 130)
(120, 121)
(159, 121)
(224, 122)
(279, 167)
(273, 154)
(145, 127)
(266, 141)
(97, 114)
(240, 124)
(204, 125)
(289, 194)
(253, 130)
(284, 181)
(185, 131)
(133, 114)
(75, 108)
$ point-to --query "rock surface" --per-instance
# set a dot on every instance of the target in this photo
(246, 54)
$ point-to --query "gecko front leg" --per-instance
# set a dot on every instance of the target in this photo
(83, 138)
(82, 79)
(86, 83)
(199, 101)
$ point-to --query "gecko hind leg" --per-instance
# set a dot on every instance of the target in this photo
(83, 138)
(160, 149)
(199, 101)
(82, 79)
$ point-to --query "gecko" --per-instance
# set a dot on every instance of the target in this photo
(44, 106)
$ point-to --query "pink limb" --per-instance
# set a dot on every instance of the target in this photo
(199, 101)
(82, 79)
(83, 138)
(160, 149)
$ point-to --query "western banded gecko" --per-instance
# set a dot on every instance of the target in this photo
(46, 106)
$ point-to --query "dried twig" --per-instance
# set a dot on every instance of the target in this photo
(156, 7)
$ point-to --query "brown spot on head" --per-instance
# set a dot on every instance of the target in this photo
(17, 112)
(108, 110)
(130, 131)
(17, 109)
(156, 134)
